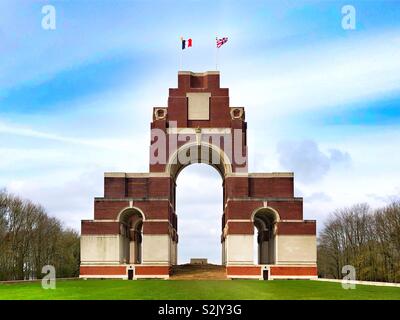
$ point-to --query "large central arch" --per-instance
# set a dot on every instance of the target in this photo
(202, 152)
(199, 209)
(190, 153)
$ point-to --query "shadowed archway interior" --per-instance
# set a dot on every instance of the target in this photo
(265, 220)
(131, 230)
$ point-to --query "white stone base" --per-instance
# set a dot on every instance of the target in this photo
(239, 249)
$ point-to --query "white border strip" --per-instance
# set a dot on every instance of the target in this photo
(243, 277)
(368, 283)
(97, 276)
(293, 277)
(152, 277)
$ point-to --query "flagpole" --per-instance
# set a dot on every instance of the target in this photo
(216, 60)
(216, 54)
(181, 63)
(181, 59)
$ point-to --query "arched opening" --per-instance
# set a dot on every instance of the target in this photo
(199, 201)
(202, 152)
(265, 220)
(199, 209)
(131, 224)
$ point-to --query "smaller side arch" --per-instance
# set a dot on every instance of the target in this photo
(131, 226)
(125, 212)
(265, 220)
(267, 210)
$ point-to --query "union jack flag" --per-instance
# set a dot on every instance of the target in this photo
(221, 41)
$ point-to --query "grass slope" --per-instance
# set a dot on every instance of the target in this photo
(213, 290)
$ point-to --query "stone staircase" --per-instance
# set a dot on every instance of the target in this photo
(198, 272)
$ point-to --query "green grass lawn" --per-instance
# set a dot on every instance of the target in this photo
(213, 290)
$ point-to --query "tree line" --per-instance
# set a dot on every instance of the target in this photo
(364, 238)
(31, 239)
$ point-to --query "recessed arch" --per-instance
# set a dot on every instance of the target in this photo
(131, 227)
(266, 210)
(265, 220)
(125, 213)
(204, 152)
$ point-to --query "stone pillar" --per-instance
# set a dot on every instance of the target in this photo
(272, 250)
(132, 252)
(264, 249)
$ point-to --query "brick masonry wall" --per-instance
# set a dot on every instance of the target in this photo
(157, 187)
(153, 209)
(152, 270)
(293, 271)
(89, 227)
(243, 271)
(108, 209)
(114, 187)
(308, 227)
(156, 227)
(288, 209)
(241, 209)
(240, 227)
(271, 187)
(103, 270)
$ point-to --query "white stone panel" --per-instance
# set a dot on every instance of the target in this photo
(100, 248)
(198, 105)
(239, 249)
(156, 249)
(297, 249)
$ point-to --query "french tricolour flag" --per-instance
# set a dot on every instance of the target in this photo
(186, 43)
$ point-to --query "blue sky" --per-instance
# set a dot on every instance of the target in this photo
(320, 100)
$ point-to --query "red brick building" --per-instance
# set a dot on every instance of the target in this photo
(134, 231)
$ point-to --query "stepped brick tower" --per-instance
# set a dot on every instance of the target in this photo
(134, 233)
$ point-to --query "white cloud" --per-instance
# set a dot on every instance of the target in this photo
(307, 160)
(31, 133)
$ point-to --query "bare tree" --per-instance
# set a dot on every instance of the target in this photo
(366, 239)
(30, 239)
